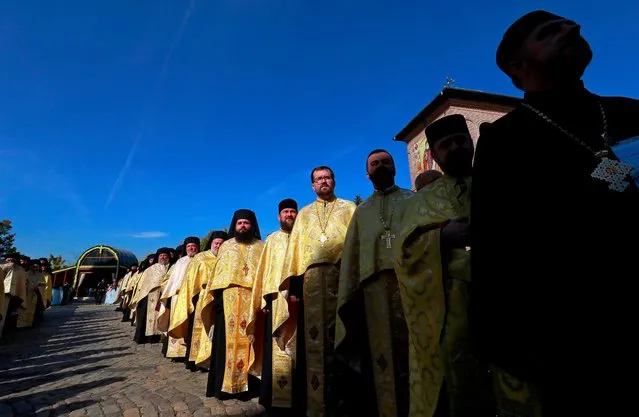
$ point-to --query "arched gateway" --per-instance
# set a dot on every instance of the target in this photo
(96, 263)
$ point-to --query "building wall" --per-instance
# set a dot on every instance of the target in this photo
(419, 159)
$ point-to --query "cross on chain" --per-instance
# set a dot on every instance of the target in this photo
(245, 269)
(387, 236)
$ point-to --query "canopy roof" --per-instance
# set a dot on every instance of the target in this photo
(106, 256)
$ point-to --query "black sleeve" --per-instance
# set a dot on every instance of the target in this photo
(501, 219)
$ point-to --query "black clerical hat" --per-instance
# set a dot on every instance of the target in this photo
(287, 203)
(446, 126)
(517, 33)
(245, 214)
(166, 251)
(191, 239)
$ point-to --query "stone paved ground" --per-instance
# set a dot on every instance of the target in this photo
(82, 362)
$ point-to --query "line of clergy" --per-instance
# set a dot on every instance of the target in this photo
(28, 291)
(345, 310)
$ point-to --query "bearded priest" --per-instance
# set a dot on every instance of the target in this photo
(186, 323)
(230, 287)
(432, 263)
(269, 309)
(146, 298)
(311, 275)
(371, 330)
(176, 346)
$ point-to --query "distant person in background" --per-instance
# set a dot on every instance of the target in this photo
(101, 291)
(45, 269)
(555, 240)
(426, 177)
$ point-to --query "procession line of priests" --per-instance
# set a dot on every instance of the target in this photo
(186, 320)
(146, 297)
(345, 309)
(174, 279)
(27, 291)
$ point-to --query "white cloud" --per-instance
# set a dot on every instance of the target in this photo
(149, 235)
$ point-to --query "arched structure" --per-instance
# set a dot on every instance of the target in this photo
(96, 263)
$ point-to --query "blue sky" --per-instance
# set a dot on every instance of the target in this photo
(119, 118)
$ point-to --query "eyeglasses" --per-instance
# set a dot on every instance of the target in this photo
(322, 179)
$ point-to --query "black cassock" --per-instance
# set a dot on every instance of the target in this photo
(11, 321)
(140, 336)
(266, 383)
(554, 250)
(190, 365)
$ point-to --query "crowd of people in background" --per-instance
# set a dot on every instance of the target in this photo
(28, 290)
(495, 288)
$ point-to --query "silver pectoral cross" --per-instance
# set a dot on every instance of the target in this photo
(387, 236)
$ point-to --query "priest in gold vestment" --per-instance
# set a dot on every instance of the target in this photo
(229, 310)
(310, 278)
(371, 334)
(45, 268)
(269, 309)
(125, 292)
(432, 262)
(186, 322)
(31, 315)
(176, 346)
(146, 298)
(15, 292)
(132, 286)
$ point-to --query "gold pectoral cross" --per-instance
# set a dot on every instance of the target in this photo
(245, 269)
(323, 238)
(387, 236)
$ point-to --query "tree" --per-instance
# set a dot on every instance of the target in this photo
(7, 239)
(358, 199)
(57, 262)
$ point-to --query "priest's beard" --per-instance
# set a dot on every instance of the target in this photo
(287, 225)
(245, 236)
(164, 262)
(459, 163)
(383, 177)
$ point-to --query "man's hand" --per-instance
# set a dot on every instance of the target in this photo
(292, 299)
(456, 233)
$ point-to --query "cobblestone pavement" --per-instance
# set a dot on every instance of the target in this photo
(82, 362)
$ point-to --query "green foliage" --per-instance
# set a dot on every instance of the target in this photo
(57, 262)
(358, 199)
(7, 239)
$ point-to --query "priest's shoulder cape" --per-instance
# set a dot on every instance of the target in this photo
(175, 277)
(199, 269)
(150, 280)
(232, 257)
(267, 282)
(305, 248)
(365, 250)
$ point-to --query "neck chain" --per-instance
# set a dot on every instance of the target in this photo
(387, 226)
(609, 170)
(604, 135)
(323, 237)
(244, 257)
(387, 236)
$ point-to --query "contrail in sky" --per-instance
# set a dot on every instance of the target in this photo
(161, 79)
